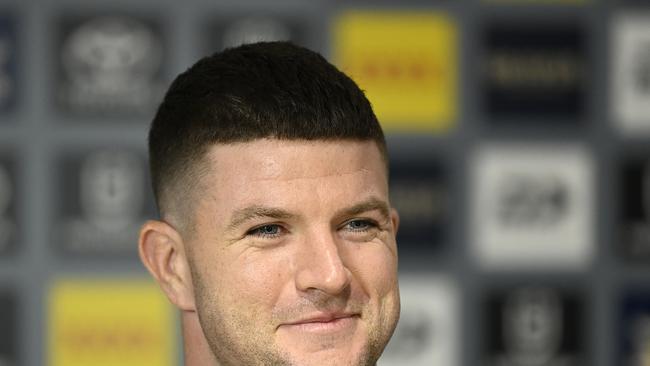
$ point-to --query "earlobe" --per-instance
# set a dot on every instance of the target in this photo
(162, 252)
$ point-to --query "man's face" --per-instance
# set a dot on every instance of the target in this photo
(294, 260)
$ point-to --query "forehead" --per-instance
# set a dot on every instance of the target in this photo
(294, 159)
(269, 166)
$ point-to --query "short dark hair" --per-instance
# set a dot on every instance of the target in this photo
(254, 91)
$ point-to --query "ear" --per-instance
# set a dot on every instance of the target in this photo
(394, 218)
(161, 250)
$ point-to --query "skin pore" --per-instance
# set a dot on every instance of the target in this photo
(292, 260)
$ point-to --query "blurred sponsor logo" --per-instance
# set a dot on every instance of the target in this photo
(8, 335)
(532, 206)
(635, 193)
(534, 326)
(534, 69)
(630, 42)
(405, 62)
(7, 63)
(533, 202)
(428, 330)
(634, 346)
(106, 203)
(110, 323)
(110, 64)
(419, 193)
(8, 228)
(535, 72)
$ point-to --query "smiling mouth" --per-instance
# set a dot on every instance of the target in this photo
(324, 323)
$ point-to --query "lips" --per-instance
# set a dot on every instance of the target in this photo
(323, 318)
(323, 323)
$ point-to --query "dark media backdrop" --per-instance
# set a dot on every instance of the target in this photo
(522, 170)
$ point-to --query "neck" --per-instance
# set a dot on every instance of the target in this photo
(195, 346)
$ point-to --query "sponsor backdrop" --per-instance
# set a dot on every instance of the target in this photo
(518, 133)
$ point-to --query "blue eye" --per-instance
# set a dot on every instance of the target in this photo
(266, 231)
(360, 225)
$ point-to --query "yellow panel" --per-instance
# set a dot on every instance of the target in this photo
(110, 323)
(406, 62)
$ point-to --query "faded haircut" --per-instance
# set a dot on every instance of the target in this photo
(263, 90)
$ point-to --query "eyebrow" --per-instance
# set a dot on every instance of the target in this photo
(371, 204)
(252, 212)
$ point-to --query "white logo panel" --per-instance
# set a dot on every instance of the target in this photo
(532, 206)
(428, 331)
(630, 84)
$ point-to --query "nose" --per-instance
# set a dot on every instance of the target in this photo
(320, 265)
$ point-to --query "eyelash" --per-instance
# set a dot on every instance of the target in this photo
(259, 231)
(369, 224)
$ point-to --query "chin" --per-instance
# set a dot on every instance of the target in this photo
(330, 355)
(335, 359)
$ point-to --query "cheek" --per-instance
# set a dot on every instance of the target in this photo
(376, 269)
(259, 276)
